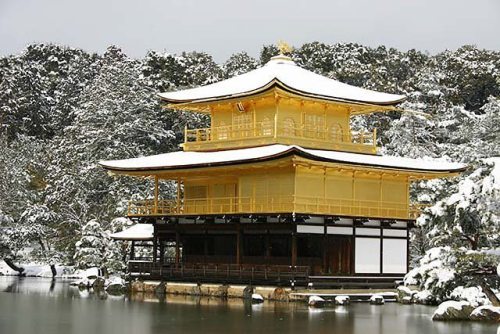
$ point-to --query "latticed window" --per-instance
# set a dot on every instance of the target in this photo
(222, 131)
(242, 124)
(267, 127)
(242, 120)
(314, 125)
(336, 134)
(289, 127)
(192, 192)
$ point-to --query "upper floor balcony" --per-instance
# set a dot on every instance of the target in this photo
(268, 133)
(274, 205)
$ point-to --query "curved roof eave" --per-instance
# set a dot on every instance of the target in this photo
(277, 83)
(292, 150)
(285, 73)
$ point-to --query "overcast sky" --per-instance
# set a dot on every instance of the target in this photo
(223, 27)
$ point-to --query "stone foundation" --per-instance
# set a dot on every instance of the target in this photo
(210, 290)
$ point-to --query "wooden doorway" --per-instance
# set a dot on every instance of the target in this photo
(338, 255)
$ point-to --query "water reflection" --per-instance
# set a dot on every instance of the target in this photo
(32, 305)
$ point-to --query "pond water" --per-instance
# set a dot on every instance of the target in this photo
(35, 305)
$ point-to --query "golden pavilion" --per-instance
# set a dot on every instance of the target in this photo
(278, 189)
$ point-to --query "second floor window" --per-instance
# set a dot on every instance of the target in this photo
(242, 124)
(314, 126)
(289, 127)
(336, 132)
(222, 131)
(267, 127)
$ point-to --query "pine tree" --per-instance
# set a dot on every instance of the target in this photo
(91, 247)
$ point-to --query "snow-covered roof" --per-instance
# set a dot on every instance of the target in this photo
(135, 232)
(190, 159)
(283, 72)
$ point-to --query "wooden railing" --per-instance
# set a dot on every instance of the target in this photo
(197, 272)
(276, 204)
(148, 207)
(266, 132)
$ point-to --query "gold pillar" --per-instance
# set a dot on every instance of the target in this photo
(277, 100)
(156, 194)
(178, 198)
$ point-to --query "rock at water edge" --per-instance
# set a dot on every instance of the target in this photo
(377, 300)
(257, 299)
(404, 292)
(453, 310)
(342, 300)
(316, 301)
(115, 286)
(406, 300)
(486, 313)
(99, 283)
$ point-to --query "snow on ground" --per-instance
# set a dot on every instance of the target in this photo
(85, 273)
(43, 270)
(35, 270)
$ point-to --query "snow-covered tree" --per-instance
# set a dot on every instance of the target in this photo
(91, 247)
(470, 216)
(239, 63)
(411, 135)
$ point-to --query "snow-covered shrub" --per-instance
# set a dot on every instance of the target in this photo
(445, 273)
(473, 295)
(96, 249)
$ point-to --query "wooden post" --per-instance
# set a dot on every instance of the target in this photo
(156, 195)
(155, 249)
(205, 247)
(294, 248)
(268, 246)
(132, 250)
(325, 248)
(239, 244)
(162, 252)
(177, 248)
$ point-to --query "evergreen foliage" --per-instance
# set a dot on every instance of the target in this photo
(64, 109)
